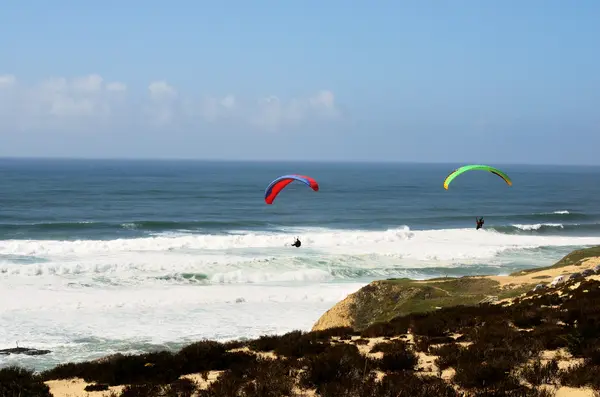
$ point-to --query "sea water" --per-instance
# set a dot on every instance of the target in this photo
(100, 256)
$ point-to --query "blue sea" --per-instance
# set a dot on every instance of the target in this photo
(105, 256)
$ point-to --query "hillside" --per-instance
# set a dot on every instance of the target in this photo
(383, 300)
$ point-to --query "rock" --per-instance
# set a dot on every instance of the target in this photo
(23, 350)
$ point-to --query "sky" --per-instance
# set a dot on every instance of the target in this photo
(459, 81)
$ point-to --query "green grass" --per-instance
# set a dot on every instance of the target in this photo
(397, 297)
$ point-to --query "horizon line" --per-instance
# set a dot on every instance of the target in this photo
(225, 160)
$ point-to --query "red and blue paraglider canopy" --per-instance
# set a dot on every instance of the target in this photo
(278, 184)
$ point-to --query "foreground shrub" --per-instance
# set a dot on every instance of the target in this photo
(342, 332)
(144, 390)
(429, 324)
(538, 373)
(581, 375)
(527, 318)
(512, 388)
(350, 387)
(268, 378)
(448, 355)
(385, 347)
(478, 367)
(397, 356)
(550, 336)
(96, 387)
(156, 368)
(341, 364)
(408, 384)
(381, 329)
(16, 381)
(203, 356)
(293, 344)
(180, 388)
(423, 343)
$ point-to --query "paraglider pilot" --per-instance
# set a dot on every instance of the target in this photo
(479, 223)
(297, 243)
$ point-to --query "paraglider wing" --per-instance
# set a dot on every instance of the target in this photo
(278, 184)
(471, 167)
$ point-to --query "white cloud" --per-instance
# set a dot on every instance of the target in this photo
(274, 113)
(213, 109)
(91, 83)
(116, 87)
(7, 80)
(89, 102)
(163, 107)
(161, 90)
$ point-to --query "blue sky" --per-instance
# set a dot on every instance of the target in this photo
(466, 81)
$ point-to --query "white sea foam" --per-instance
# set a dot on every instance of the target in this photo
(538, 226)
(57, 319)
(260, 257)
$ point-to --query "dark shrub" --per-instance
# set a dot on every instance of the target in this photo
(538, 373)
(397, 356)
(581, 375)
(228, 384)
(398, 360)
(201, 356)
(448, 355)
(159, 367)
(340, 363)
(408, 384)
(212, 356)
(510, 387)
(143, 390)
(73, 370)
(385, 347)
(428, 325)
(423, 343)
(379, 329)
(593, 355)
(292, 344)
(550, 336)
(342, 332)
(96, 387)
(265, 343)
(350, 387)
(271, 379)
(304, 346)
(479, 366)
(238, 362)
(15, 381)
(505, 340)
(234, 344)
(268, 378)
(179, 388)
(527, 318)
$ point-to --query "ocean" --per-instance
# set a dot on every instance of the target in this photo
(106, 256)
